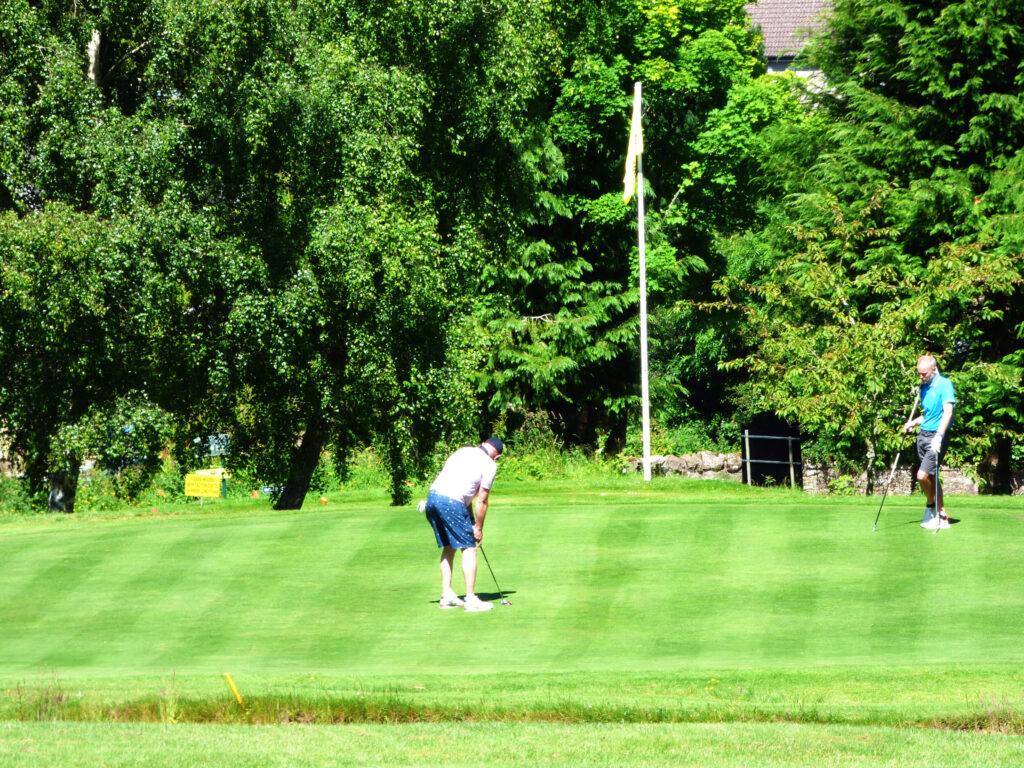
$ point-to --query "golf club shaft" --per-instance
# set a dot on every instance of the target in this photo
(896, 461)
(501, 595)
(481, 548)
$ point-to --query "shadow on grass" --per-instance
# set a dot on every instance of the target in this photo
(915, 521)
(904, 524)
(493, 597)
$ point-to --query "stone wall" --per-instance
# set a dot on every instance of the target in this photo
(708, 465)
(705, 465)
(817, 479)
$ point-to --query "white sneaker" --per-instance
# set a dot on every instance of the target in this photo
(932, 523)
(943, 521)
(474, 604)
(451, 601)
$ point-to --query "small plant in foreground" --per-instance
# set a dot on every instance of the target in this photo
(169, 707)
(50, 702)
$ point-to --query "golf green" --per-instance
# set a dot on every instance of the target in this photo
(671, 582)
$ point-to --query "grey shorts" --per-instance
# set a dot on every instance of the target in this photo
(929, 461)
(451, 521)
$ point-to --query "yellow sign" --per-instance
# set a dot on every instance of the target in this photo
(215, 472)
(203, 485)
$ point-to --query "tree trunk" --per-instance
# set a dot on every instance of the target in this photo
(305, 459)
(869, 475)
(63, 487)
(994, 469)
(397, 452)
(93, 51)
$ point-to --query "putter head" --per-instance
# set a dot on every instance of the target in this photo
(505, 601)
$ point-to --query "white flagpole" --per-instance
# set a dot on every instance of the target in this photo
(641, 234)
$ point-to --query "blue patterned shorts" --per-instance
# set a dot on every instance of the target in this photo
(451, 521)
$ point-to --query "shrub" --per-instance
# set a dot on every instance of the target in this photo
(534, 452)
(96, 492)
(168, 484)
(126, 438)
(14, 500)
(365, 469)
(716, 434)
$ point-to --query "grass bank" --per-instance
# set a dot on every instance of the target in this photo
(970, 698)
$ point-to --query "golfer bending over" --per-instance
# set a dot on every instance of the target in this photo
(467, 475)
(937, 403)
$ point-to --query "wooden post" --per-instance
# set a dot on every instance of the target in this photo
(746, 444)
(792, 473)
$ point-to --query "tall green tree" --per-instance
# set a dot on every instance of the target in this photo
(80, 298)
(241, 178)
(892, 229)
(304, 143)
(566, 339)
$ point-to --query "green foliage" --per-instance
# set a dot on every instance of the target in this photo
(263, 178)
(80, 307)
(322, 226)
(886, 234)
(691, 435)
(126, 439)
(534, 452)
(168, 484)
(96, 494)
(365, 470)
(831, 318)
(14, 500)
(566, 338)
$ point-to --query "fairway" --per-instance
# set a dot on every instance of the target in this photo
(670, 602)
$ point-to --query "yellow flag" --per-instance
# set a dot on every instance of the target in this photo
(636, 147)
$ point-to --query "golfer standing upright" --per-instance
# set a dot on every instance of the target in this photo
(466, 478)
(937, 403)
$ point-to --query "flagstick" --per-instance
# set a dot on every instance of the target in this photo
(644, 384)
(633, 181)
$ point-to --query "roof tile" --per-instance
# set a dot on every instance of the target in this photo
(786, 24)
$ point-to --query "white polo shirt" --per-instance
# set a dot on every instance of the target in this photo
(465, 473)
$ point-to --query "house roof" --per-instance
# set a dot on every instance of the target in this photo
(786, 24)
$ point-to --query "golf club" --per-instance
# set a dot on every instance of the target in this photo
(895, 462)
(938, 502)
(504, 600)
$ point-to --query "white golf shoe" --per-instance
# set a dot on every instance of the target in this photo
(475, 604)
(939, 522)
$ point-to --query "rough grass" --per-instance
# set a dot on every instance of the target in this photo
(969, 699)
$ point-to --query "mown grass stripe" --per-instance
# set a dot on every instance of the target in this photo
(72, 593)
